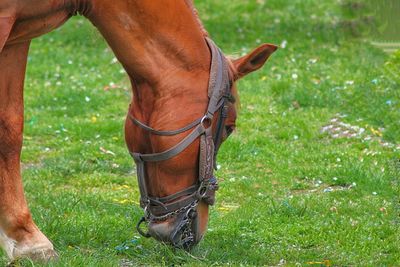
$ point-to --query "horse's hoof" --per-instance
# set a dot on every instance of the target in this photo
(41, 255)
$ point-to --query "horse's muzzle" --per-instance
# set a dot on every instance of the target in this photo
(181, 231)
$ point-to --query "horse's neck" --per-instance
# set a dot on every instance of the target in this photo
(148, 37)
(151, 37)
(159, 43)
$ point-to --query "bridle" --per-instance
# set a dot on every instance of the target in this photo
(183, 204)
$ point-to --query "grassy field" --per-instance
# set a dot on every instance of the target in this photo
(310, 178)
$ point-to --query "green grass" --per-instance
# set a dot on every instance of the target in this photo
(290, 193)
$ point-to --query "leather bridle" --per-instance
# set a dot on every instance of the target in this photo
(183, 204)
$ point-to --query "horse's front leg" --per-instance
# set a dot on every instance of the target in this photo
(19, 236)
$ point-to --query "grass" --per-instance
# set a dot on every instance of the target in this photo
(296, 188)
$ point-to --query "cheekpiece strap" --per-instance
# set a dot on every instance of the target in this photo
(140, 171)
(206, 156)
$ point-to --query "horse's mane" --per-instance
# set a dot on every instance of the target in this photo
(190, 4)
(233, 73)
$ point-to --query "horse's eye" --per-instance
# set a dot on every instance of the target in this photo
(231, 98)
(229, 130)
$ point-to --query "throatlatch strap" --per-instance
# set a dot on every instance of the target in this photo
(219, 78)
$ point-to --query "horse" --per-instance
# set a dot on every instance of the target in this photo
(181, 110)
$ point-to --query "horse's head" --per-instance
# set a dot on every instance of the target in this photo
(175, 164)
(182, 109)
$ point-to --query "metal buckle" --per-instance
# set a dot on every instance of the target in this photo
(202, 191)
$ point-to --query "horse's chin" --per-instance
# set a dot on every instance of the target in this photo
(164, 231)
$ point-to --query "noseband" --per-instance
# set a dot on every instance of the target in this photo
(183, 204)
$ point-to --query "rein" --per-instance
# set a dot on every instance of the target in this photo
(183, 204)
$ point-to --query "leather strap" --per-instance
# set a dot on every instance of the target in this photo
(206, 157)
(163, 133)
(175, 150)
(160, 210)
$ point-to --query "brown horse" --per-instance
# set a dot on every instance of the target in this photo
(162, 46)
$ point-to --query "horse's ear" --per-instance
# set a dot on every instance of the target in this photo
(253, 61)
(6, 24)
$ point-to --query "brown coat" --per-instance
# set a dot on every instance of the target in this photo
(166, 57)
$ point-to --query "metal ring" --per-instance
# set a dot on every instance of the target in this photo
(206, 120)
(202, 191)
(142, 220)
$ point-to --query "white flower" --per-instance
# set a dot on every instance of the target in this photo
(313, 60)
(284, 44)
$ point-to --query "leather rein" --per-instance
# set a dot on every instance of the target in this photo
(184, 203)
